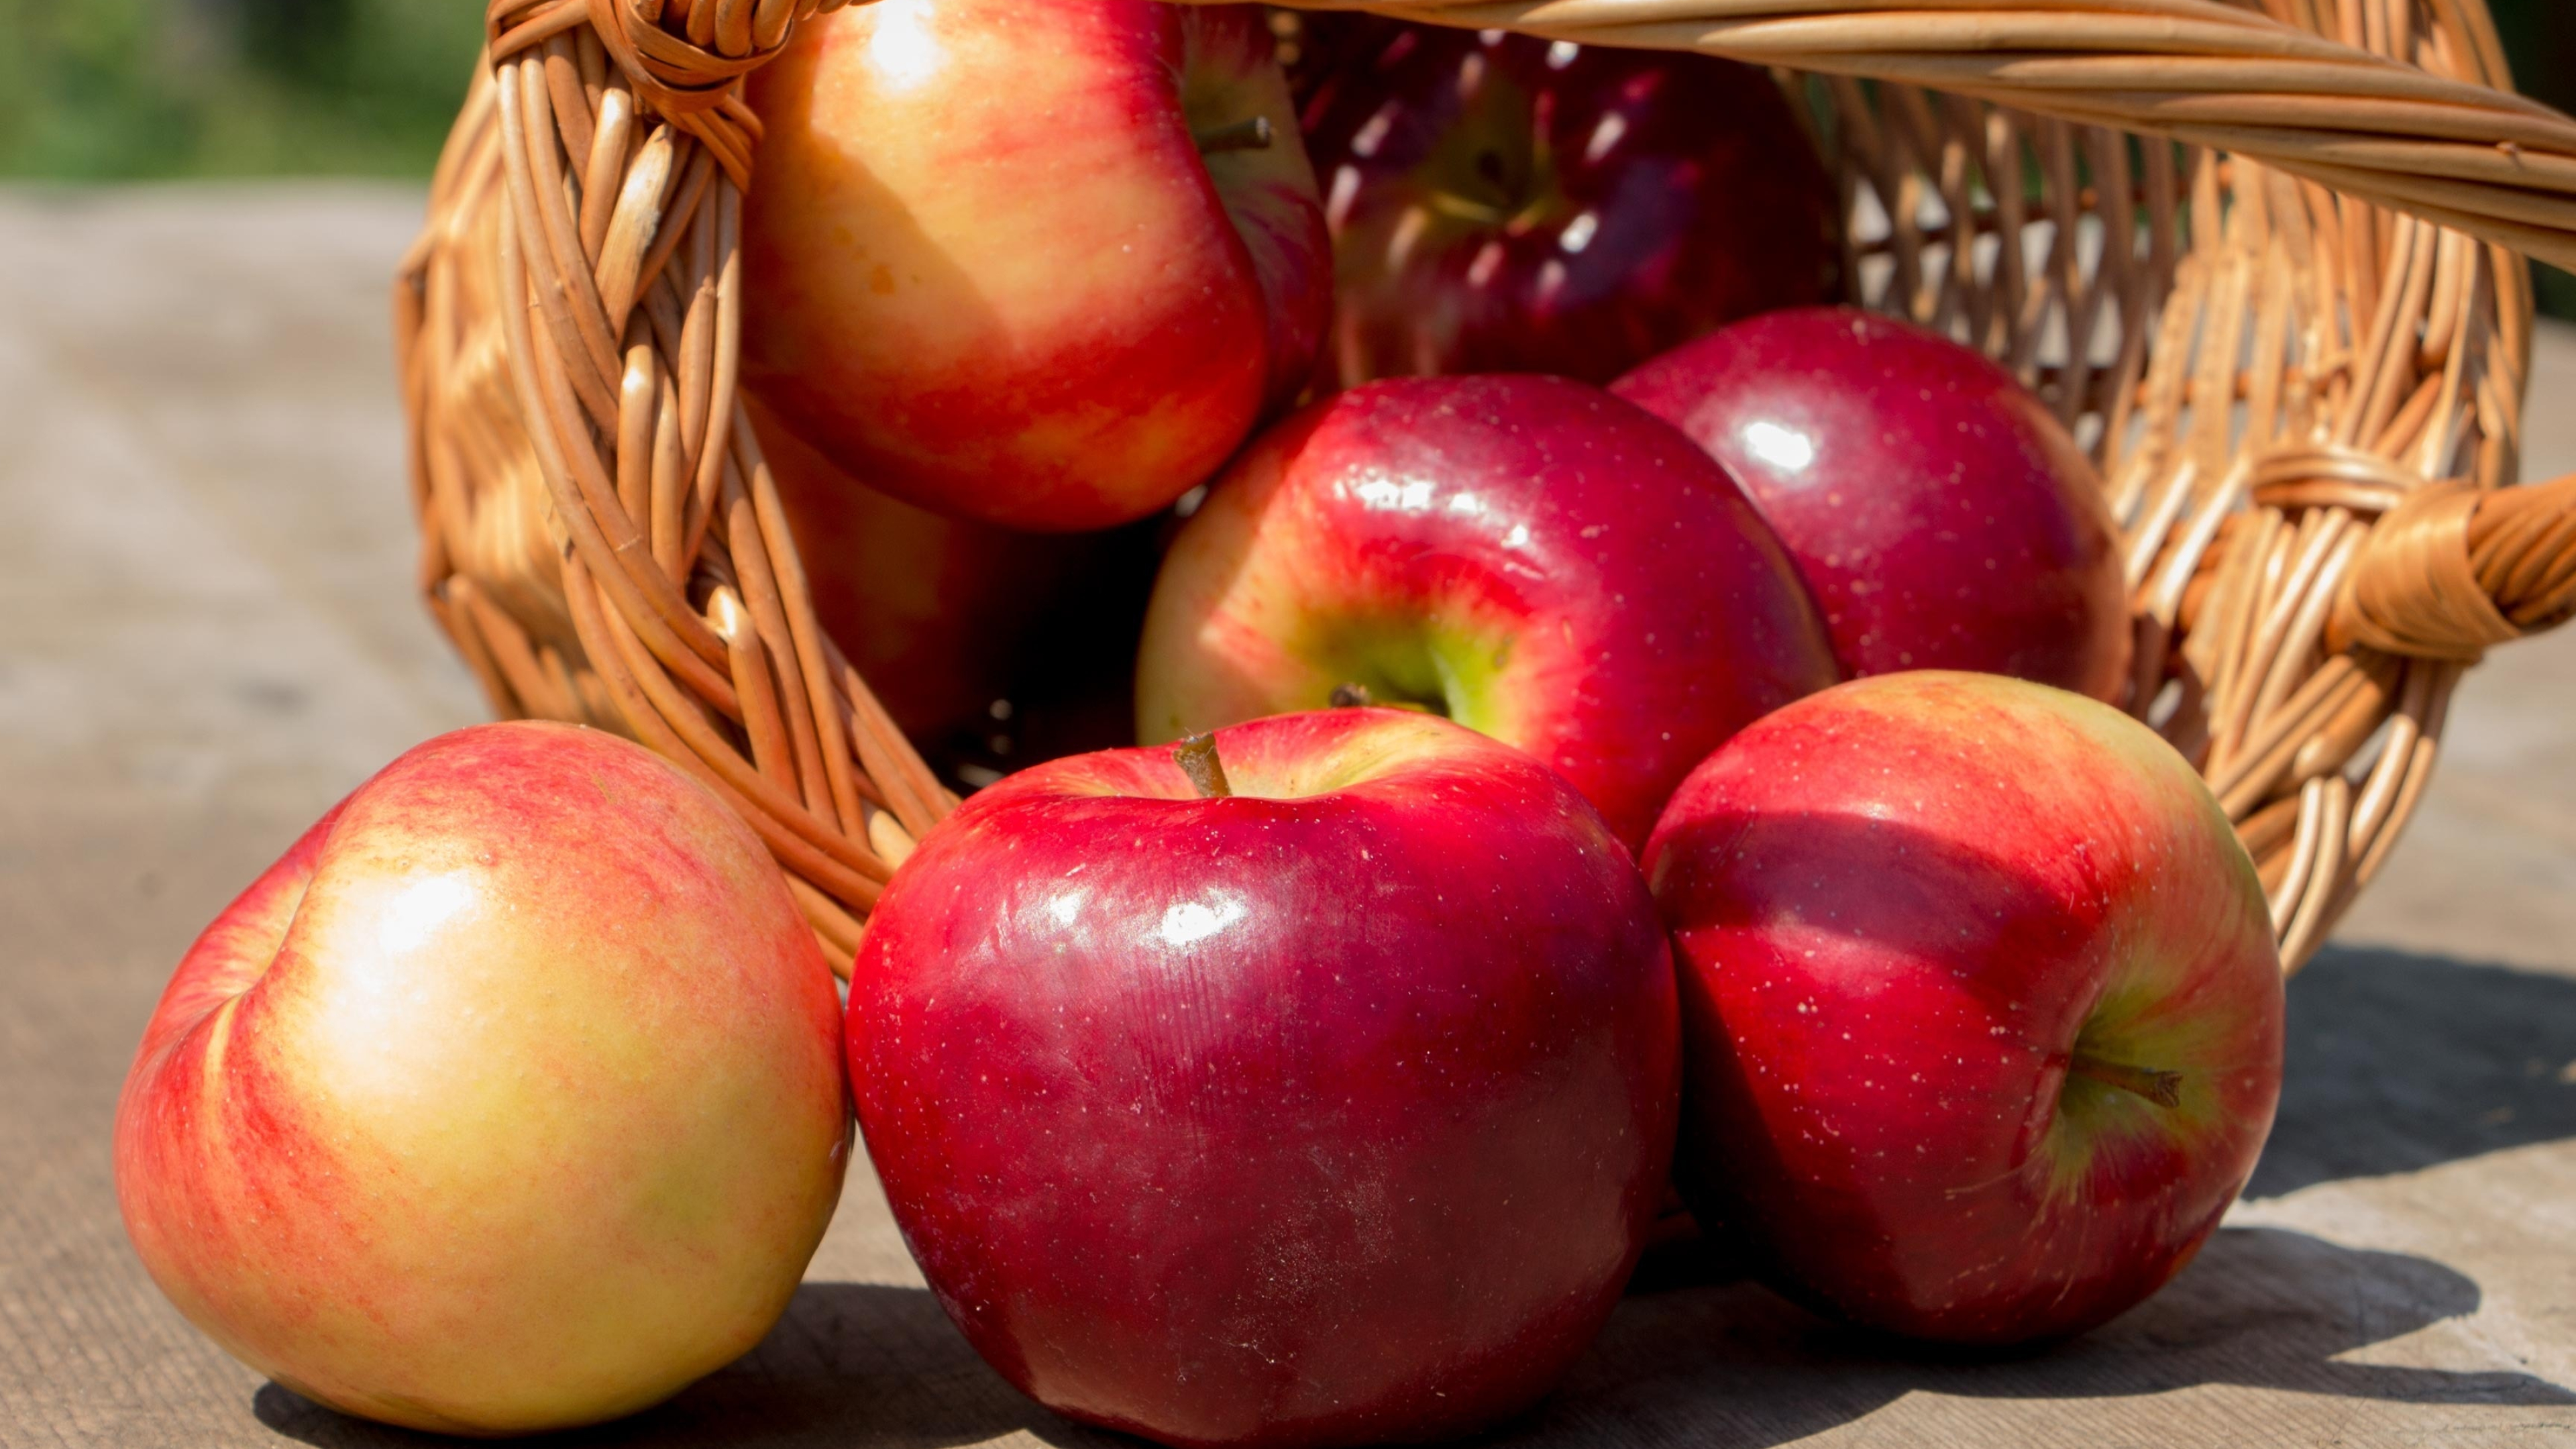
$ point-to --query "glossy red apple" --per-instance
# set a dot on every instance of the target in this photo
(1941, 515)
(1501, 203)
(1332, 1111)
(992, 648)
(1524, 554)
(1040, 265)
(509, 1099)
(1982, 1013)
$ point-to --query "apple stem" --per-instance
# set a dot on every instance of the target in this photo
(1253, 134)
(1197, 758)
(2160, 1087)
(1346, 696)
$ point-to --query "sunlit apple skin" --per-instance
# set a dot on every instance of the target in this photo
(510, 1098)
(992, 648)
(1503, 203)
(1907, 909)
(988, 270)
(1330, 1113)
(1532, 558)
(1939, 512)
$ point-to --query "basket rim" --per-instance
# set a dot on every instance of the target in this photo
(691, 607)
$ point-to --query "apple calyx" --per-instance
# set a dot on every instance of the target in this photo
(2156, 1085)
(1499, 172)
(1198, 759)
(1351, 694)
(1253, 133)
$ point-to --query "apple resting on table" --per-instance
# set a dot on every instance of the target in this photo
(1942, 516)
(1502, 203)
(511, 1098)
(1524, 554)
(1040, 265)
(1981, 1008)
(1310, 1087)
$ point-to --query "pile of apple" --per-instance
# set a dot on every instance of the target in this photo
(1549, 793)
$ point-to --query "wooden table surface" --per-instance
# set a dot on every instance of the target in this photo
(208, 634)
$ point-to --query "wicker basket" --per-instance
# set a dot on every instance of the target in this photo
(2261, 256)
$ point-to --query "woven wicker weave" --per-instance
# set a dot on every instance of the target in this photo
(2262, 257)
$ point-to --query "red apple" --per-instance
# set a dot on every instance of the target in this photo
(1941, 515)
(1041, 265)
(1982, 1013)
(509, 1099)
(1331, 1111)
(991, 648)
(1501, 203)
(1524, 554)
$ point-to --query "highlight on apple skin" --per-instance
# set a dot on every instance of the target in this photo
(1044, 266)
(1322, 1099)
(511, 1098)
(1524, 554)
(1941, 515)
(1982, 1012)
(1505, 203)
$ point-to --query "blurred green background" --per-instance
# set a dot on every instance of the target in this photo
(111, 90)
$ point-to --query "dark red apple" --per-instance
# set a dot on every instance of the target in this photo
(991, 648)
(1941, 515)
(1330, 1111)
(1501, 203)
(1527, 555)
(1982, 1013)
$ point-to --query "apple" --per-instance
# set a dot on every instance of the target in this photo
(1040, 265)
(990, 647)
(1311, 1085)
(1524, 554)
(510, 1098)
(1939, 512)
(1502, 203)
(1982, 1016)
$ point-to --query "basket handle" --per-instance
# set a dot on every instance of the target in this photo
(2473, 157)
(2454, 570)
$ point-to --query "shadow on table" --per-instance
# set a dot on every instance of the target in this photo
(2400, 1062)
(1732, 1365)
(1724, 1364)
(852, 1366)
(2396, 1063)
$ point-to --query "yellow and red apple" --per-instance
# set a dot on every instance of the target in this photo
(1040, 265)
(510, 1098)
(1982, 1015)
(1527, 555)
